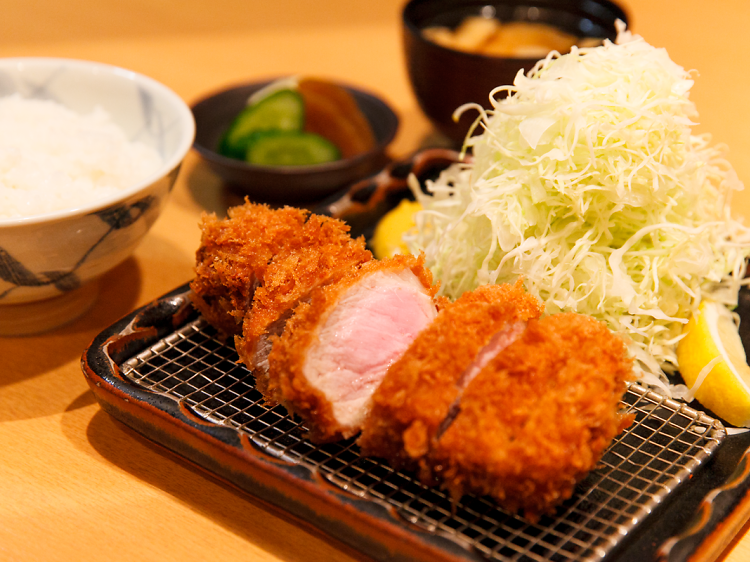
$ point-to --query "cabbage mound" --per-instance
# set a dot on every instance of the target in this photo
(588, 181)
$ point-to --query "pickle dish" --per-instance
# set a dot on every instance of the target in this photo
(285, 164)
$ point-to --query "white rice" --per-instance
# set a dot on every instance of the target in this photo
(52, 158)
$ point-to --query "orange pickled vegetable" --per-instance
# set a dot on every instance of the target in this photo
(333, 113)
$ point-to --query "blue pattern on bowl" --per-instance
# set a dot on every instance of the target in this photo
(45, 256)
(14, 272)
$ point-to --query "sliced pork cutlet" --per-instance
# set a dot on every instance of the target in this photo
(420, 390)
(262, 258)
(322, 252)
(538, 417)
(337, 347)
(232, 257)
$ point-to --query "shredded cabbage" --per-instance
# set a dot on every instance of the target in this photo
(588, 182)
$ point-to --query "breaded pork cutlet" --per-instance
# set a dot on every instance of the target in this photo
(337, 347)
(253, 267)
(420, 389)
(322, 252)
(538, 417)
(232, 258)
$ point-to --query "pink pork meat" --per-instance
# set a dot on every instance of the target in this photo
(337, 347)
(420, 395)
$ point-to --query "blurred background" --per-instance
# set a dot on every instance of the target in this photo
(197, 48)
(231, 41)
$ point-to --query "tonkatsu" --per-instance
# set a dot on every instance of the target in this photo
(337, 348)
(420, 389)
(482, 396)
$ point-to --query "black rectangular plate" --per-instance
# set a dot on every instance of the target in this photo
(672, 486)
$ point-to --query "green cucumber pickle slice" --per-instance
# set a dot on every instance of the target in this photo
(281, 148)
(283, 110)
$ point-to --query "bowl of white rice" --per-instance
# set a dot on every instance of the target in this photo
(88, 155)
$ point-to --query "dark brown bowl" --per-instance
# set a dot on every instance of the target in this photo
(290, 184)
(444, 79)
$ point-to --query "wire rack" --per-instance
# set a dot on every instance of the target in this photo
(663, 448)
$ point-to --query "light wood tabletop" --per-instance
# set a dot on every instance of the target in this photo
(75, 484)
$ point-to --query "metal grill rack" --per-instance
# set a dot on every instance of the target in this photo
(660, 450)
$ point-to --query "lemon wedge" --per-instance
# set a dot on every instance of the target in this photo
(387, 239)
(713, 364)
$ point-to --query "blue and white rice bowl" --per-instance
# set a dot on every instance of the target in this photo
(54, 256)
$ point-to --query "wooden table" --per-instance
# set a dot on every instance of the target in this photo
(76, 485)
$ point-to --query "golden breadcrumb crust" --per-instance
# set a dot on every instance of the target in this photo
(419, 389)
(538, 417)
(287, 383)
(233, 256)
(321, 253)
(263, 260)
